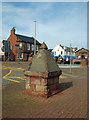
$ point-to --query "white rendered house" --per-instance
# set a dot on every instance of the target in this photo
(63, 51)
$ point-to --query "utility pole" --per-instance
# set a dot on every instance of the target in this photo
(4, 50)
(18, 53)
(35, 38)
(70, 57)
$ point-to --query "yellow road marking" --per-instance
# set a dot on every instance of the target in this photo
(5, 77)
(18, 77)
(63, 77)
(5, 67)
(7, 74)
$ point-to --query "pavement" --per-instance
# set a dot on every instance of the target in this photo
(69, 66)
(71, 102)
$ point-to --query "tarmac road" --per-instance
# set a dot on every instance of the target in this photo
(12, 75)
(12, 72)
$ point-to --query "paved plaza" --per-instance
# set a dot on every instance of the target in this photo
(71, 102)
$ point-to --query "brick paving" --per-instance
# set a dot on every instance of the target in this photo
(70, 103)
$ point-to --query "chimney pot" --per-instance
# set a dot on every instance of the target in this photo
(13, 31)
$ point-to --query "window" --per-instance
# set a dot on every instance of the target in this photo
(20, 45)
(28, 46)
(12, 47)
(79, 57)
(36, 47)
(54, 53)
(66, 52)
(20, 55)
(32, 47)
(61, 52)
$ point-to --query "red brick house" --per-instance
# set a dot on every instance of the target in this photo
(26, 45)
(82, 52)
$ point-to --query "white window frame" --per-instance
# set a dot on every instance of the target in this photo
(28, 46)
(12, 47)
(61, 52)
(36, 47)
(20, 45)
(32, 47)
(20, 57)
(54, 52)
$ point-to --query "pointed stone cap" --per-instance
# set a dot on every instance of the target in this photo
(44, 46)
(43, 62)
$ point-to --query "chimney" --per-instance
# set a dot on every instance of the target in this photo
(75, 48)
(13, 31)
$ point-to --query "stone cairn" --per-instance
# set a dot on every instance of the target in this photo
(42, 76)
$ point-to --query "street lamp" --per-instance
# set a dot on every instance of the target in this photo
(35, 38)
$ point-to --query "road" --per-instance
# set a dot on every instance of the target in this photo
(12, 75)
(12, 72)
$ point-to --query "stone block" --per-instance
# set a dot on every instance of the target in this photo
(43, 81)
(56, 79)
(32, 87)
(35, 80)
(27, 86)
(41, 88)
(50, 81)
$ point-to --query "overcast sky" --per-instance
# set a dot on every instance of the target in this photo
(62, 23)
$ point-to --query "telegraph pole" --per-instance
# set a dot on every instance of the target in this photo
(35, 38)
(18, 53)
(70, 58)
(4, 50)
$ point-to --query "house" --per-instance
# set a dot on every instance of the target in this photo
(82, 53)
(63, 51)
(1, 52)
(25, 43)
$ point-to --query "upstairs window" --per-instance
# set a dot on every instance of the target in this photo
(28, 46)
(61, 52)
(12, 47)
(32, 47)
(20, 45)
(54, 53)
(36, 47)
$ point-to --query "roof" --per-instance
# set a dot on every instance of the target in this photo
(27, 39)
(82, 49)
(68, 49)
(43, 62)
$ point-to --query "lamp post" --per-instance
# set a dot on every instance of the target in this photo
(35, 38)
